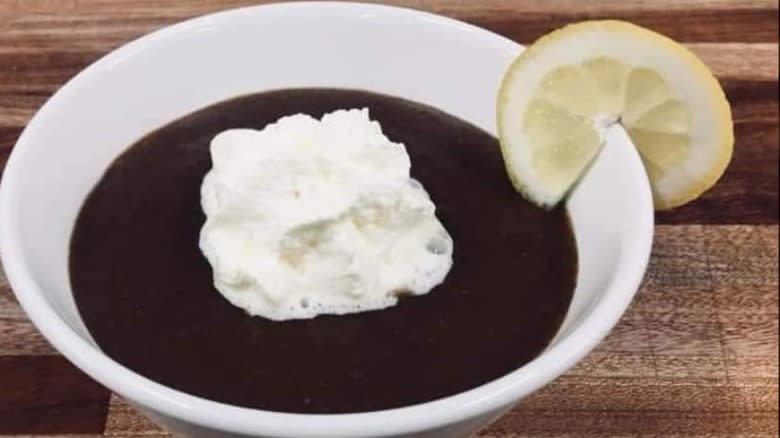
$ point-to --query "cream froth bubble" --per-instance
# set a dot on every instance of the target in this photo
(310, 217)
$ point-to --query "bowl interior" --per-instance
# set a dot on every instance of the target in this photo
(429, 59)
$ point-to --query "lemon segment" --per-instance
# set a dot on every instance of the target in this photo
(665, 150)
(559, 97)
(571, 89)
(546, 123)
(609, 77)
(559, 163)
(671, 116)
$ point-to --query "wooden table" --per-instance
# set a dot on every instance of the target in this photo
(697, 353)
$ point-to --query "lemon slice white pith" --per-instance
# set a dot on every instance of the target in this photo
(562, 93)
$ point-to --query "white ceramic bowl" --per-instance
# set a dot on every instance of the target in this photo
(153, 80)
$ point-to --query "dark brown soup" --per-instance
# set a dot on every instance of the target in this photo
(145, 291)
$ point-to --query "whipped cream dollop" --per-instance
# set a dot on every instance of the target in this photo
(310, 217)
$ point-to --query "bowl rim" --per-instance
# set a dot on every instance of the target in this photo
(484, 399)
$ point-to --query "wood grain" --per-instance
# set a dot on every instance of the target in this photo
(521, 20)
(45, 394)
(17, 334)
(696, 355)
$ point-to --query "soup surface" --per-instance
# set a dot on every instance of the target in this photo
(145, 292)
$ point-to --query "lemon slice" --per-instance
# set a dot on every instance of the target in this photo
(560, 96)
